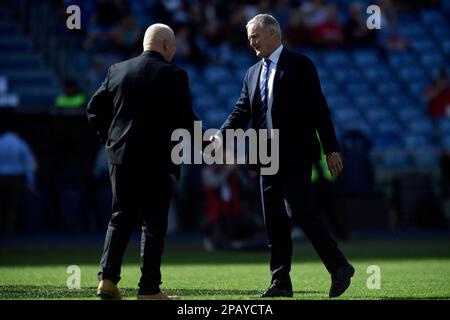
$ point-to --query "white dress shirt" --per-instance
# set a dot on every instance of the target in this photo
(274, 57)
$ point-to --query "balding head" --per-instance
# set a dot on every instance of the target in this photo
(160, 38)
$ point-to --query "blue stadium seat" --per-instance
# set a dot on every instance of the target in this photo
(198, 88)
(312, 54)
(357, 124)
(338, 101)
(14, 44)
(33, 78)
(423, 45)
(421, 126)
(414, 141)
(205, 102)
(386, 140)
(333, 59)
(324, 73)
(395, 159)
(366, 101)
(388, 88)
(399, 60)
(242, 59)
(346, 115)
(426, 158)
(433, 17)
(192, 72)
(38, 99)
(388, 127)
(412, 72)
(329, 87)
(398, 101)
(376, 115)
(228, 89)
(432, 59)
(214, 74)
(445, 45)
(412, 30)
(408, 114)
(357, 88)
(445, 142)
(440, 32)
(346, 75)
(417, 89)
(377, 74)
(214, 118)
(365, 58)
(443, 126)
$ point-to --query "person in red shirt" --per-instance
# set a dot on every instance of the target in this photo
(438, 96)
(330, 33)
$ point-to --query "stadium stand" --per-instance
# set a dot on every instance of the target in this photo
(377, 91)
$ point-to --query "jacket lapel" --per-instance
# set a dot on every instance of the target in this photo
(278, 76)
(254, 83)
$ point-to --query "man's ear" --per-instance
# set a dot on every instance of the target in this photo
(272, 32)
(165, 44)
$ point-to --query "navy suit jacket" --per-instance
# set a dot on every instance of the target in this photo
(299, 110)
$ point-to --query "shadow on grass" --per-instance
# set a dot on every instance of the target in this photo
(66, 255)
(56, 293)
(53, 292)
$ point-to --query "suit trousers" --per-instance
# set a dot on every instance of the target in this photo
(140, 197)
(287, 199)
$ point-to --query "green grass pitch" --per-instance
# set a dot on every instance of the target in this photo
(409, 270)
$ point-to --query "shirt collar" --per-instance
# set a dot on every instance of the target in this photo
(275, 56)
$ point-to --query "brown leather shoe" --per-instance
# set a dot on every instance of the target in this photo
(158, 296)
(108, 290)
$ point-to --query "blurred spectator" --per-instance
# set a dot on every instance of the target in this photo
(235, 37)
(71, 97)
(329, 33)
(188, 50)
(358, 179)
(389, 36)
(226, 223)
(281, 12)
(17, 167)
(356, 32)
(297, 33)
(101, 170)
(213, 36)
(314, 12)
(109, 13)
(103, 25)
(128, 37)
(445, 169)
(323, 184)
(438, 96)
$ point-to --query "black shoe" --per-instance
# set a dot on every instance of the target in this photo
(340, 280)
(275, 291)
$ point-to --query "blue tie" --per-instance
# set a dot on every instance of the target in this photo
(263, 95)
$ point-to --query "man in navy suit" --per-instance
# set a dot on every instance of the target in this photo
(282, 91)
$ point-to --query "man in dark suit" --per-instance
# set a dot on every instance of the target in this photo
(134, 112)
(282, 91)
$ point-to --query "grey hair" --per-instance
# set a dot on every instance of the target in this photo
(265, 21)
